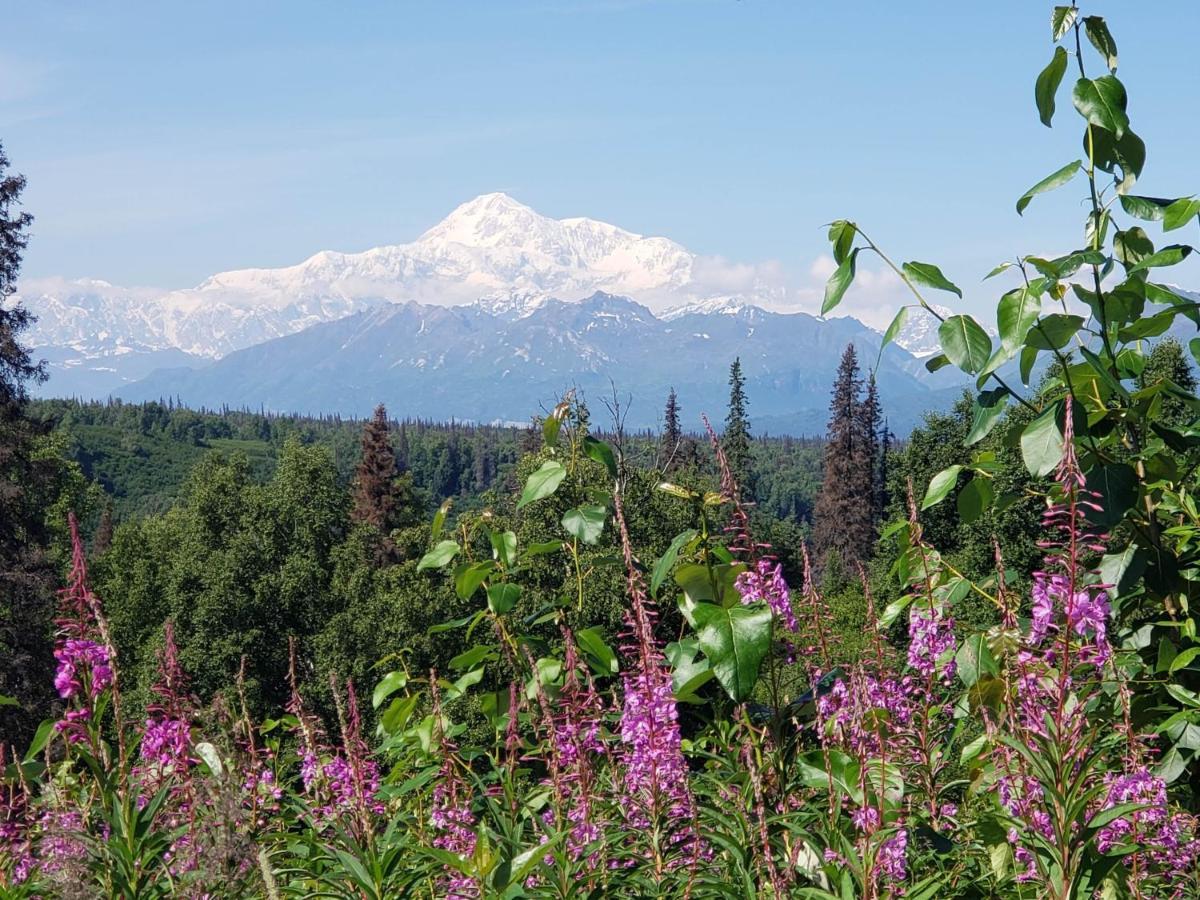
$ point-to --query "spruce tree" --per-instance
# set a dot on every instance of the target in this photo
(870, 422)
(672, 437)
(375, 476)
(736, 440)
(843, 512)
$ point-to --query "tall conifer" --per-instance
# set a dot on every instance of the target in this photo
(672, 437)
(843, 513)
(736, 439)
(374, 479)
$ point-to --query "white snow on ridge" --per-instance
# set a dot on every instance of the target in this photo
(493, 250)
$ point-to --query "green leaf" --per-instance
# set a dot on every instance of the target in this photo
(1102, 102)
(1167, 256)
(595, 647)
(1149, 209)
(975, 498)
(987, 409)
(439, 556)
(974, 659)
(930, 276)
(1047, 85)
(452, 624)
(543, 548)
(601, 453)
(1061, 20)
(543, 482)
(1028, 358)
(1117, 485)
(439, 520)
(841, 236)
(6, 700)
(503, 597)
(940, 361)
(965, 343)
(469, 576)
(1180, 213)
(41, 738)
(1102, 40)
(1015, 315)
(504, 547)
(940, 485)
(734, 640)
(690, 670)
(388, 685)
(665, 562)
(1042, 442)
(1003, 267)
(1054, 332)
(838, 282)
(1128, 152)
(470, 658)
(1049, 183)
(894, 328)
(1184, 659)
(585, 523)
(1122, 569)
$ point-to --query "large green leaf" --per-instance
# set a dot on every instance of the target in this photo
(1061, 20)
(975, 660)
(1053, 332)
(503, 596)
(1049, 183)
(735, 640)
(1102, 40)
(665, 562)
(1150, 209)
(597, 650)
(841, 236)
(1042, 442)
(439, 555)
(1180, 213)
(690, 669)
(1047, 85)
(1015, 315)
(1128, 152)
(585, 523)
(1167, 256)
(940, 485)
(838, 282)
(1102, 102)
(469, 576)
(894, 328)
(543, 482)
(975, 498)
(986, 410)
(601, 453)
(1117, 485)
(931, 276)
(965, 343)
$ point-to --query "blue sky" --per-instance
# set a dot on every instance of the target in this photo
(167, 141)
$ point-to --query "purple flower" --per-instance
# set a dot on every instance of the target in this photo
(75, 658)
(891, 861)
(655, 771)
(865, 819)
(930, 641)
(765, 584)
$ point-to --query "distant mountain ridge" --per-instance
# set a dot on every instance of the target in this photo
(475, 363)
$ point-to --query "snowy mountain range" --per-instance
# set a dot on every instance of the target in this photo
(494, 286)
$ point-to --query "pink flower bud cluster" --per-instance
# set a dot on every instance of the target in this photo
(765, 584)
(81, 661)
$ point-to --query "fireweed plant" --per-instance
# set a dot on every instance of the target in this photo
(720, 742)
